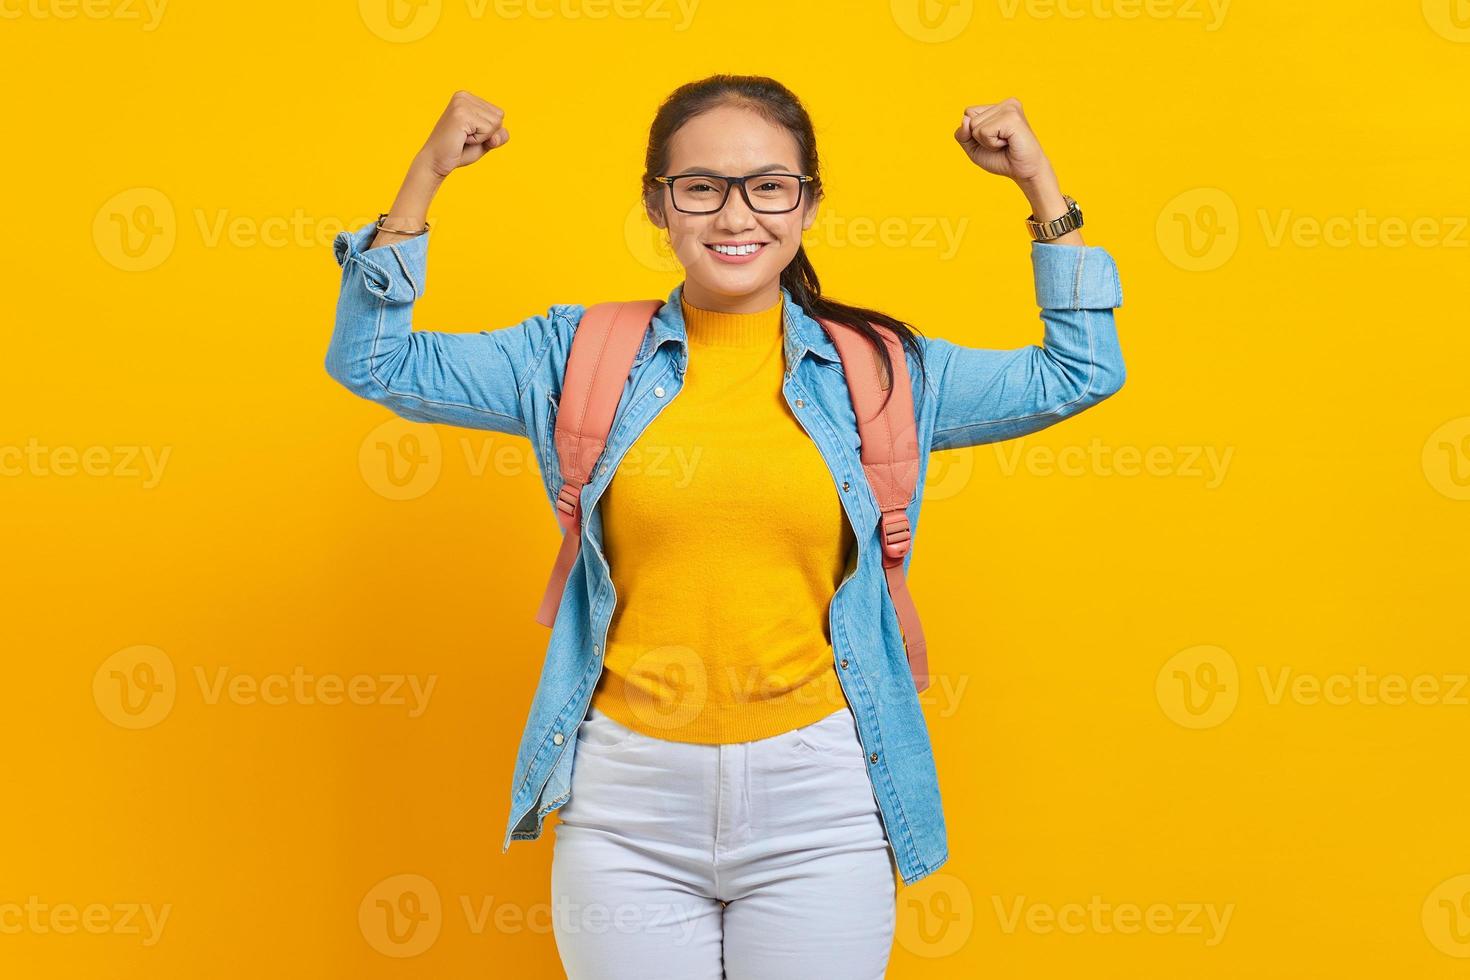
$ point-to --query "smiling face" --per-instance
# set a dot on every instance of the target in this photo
(737, 142)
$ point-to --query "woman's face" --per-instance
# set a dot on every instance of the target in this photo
(734, 142)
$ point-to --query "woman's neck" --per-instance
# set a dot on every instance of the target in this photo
(702, 299)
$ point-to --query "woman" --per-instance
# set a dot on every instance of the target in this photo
(752, 768)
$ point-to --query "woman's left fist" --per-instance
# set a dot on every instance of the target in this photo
(999, 139)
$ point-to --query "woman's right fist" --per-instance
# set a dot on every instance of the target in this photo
(469, 128)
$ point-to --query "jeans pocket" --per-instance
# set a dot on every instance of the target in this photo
(600, 731)
(833, 740)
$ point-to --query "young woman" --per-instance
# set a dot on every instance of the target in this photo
(727, 667)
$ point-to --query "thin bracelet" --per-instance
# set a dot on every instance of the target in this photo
(395, 231)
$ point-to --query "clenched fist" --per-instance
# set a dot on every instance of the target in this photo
(999, 139)
(469, 128)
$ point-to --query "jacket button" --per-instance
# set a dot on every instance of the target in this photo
(844, 663)
(800, 403)
(659, 391)
(846, 486)
(558, 738)
(873, 757)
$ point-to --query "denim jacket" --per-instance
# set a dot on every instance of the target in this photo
(509, 380)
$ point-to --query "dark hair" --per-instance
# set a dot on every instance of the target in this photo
(778, 104)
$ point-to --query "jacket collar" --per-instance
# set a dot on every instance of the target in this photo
(803, 333)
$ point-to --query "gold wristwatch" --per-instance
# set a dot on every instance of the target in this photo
(1045, 231)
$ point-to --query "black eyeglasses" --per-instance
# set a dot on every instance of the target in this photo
(707, 193)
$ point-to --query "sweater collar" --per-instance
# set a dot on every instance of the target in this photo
(802, 334)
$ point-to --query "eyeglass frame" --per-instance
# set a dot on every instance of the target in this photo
(804, 179)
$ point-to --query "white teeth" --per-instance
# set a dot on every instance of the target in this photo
(735, 249)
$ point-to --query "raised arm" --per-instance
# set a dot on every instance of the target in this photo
(476, 380)
(988, 395)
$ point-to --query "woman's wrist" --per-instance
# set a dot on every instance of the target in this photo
(410, 208)
(1044, 194)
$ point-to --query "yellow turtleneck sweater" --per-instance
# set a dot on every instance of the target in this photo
(726, 540)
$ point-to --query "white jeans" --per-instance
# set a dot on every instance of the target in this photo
(763, 859)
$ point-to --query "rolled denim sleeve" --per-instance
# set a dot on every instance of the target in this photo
(989, 395)
(475, 380)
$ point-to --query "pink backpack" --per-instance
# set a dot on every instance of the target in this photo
(598, 366)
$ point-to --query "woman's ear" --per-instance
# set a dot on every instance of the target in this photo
(810, 217)
(655, 216)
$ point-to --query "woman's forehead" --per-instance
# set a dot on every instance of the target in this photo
(732, 141)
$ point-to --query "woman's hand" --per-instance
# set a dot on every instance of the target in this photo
(999, 140)
(469, 128)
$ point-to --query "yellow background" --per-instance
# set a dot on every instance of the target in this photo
(1239, 165)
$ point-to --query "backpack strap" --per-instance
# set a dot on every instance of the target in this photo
(603, 347)
(890, 457)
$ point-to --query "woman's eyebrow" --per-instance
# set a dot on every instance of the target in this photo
(763, 169)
